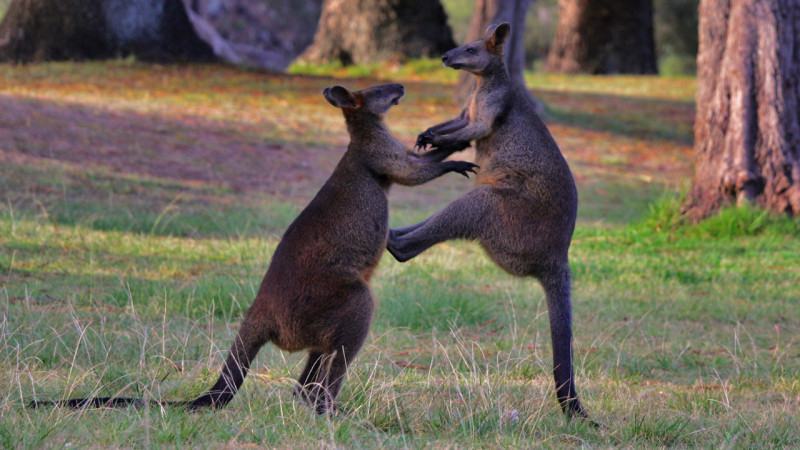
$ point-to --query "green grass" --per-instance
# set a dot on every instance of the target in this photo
(133, 282)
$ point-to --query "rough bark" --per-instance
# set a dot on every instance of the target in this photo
(364, 31)
(42, 30)
(488, 12)
(603, 37)
(747, 128)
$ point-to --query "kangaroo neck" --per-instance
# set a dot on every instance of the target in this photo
(367, 131)
(493, 79)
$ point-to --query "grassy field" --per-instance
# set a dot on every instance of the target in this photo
(140, 204)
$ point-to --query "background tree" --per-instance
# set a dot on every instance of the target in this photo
(489, 12)
(263, 33)
(364, 31)
(747, 127)
(40, 30)
(604, 36)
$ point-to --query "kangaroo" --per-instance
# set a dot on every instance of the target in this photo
(315, 294)
(523, 208)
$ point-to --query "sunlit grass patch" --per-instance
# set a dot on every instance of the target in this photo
(423, 69)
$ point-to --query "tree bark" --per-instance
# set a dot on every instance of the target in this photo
(747, 127)
(364, 31)
(604, 37)
(43, 30)
(488, 12)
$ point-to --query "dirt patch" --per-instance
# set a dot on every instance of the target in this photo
(195, 150)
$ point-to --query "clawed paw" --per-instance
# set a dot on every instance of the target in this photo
(424, 139)
(463, 167)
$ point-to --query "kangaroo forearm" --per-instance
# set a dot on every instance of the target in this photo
(416, 174)
(433, 156)
(450, 126)
(460, 121)
(473, 131)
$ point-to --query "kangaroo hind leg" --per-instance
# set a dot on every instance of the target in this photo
(468, 217)
(556, 284)
(308, 379)
(331, 368)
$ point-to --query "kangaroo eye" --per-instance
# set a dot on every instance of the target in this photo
(471, 51)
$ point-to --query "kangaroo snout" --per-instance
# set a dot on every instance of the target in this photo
(451, 59)
(399, 92)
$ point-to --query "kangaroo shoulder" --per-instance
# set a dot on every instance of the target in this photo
(490, 105)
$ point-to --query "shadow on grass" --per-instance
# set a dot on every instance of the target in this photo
(629, 116)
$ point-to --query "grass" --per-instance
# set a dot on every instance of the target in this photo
(118, 276)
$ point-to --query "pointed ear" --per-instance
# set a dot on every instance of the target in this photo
(339, 96)
(499, 35)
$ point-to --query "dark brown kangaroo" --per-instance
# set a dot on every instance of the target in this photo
(523, 207)
(315, 294)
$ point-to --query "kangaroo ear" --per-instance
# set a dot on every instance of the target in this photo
(340, 97)
(499, 35)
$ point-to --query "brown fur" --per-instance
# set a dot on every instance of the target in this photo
(315, 294)
(523, 208)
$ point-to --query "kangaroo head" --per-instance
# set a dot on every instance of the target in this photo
(375, 101)
(479, 56)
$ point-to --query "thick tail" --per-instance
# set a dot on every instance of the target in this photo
(100, 402)
(244, 349)
(557, 291)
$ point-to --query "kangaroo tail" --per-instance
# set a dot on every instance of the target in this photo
(244, 349)
(98, 402)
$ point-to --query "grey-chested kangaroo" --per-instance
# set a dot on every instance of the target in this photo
(523, 207)
(315, 294)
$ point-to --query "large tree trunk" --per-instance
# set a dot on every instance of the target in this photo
(747, 128)
(364, 31)
(488, 12)
(604, 36)
(42, 30)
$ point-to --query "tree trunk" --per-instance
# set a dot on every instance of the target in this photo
(747, 128)
(604, 36)
(488, 12)
(43, 30)
(364, 31)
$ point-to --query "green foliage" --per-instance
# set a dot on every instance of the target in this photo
(540, 30)
(747, 220)
(673, 65)
(429, 69)
(459, 13)
(676, 24)
(728, 224)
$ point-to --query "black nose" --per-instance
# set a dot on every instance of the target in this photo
(445, 57)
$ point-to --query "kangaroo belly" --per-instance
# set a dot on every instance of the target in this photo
(525, 232)
(313, 313)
